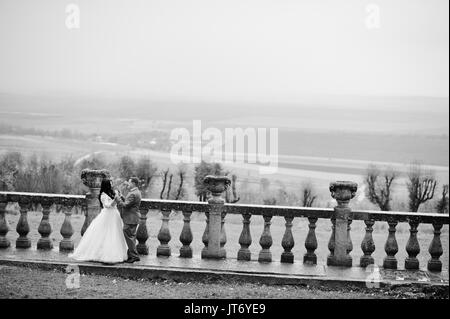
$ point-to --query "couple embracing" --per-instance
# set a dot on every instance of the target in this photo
(111, 236)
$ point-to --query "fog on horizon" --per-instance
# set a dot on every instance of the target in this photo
(244, 51)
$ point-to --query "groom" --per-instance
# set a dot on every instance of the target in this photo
(130, 216)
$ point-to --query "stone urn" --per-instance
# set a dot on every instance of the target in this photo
(93, 178)
(216, 184)
(343, 192)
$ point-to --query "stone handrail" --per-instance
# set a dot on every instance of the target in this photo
(295, 211)
(426, 218)
(214, 236)
(281, 211)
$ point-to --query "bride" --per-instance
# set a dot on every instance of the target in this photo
(103, 240)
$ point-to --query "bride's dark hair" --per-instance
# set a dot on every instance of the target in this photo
(107, 189)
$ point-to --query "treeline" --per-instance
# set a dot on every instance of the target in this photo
(42, 175)
(63, 133)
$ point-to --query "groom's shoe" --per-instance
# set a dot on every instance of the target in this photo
(132, 260)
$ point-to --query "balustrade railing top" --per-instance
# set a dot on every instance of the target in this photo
(273, 210)
(11, 196)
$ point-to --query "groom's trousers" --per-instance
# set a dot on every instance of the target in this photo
(129, 231)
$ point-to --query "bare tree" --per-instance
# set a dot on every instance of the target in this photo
(10, 165)
(145, 171)
(308, 195)
(379, 186)
(181, 175)
(169, 187)
(126, 167)
(164, 178)
(421, 187)
(282, 196)
(168, 179)
(442, 206)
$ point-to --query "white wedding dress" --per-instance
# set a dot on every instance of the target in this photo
(103, 240)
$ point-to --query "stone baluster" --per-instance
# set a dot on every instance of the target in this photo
(4, 227)
(245, 239)
(288, 241)
(93, 180)
(331, 242)
(349, 238)
(391, 247)
(164, 235)
(45, 228)
(142, 232)
(223, 234)
(343, 192)
(66, 231)
(435, 250)
(368, 245)
(186, 236)
(216, 235)
(311, 243)
(412, 246)
(265, 255)
(22, 227)
(205, 236)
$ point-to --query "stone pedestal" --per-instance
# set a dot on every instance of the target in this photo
(4, 227)
(343, 192)
(216, 185)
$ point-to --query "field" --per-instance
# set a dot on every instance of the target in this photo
(55, 148)
(233, 228)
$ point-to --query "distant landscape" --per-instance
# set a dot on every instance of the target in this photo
(321, 141)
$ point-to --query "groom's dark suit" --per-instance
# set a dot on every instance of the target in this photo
(130, 216)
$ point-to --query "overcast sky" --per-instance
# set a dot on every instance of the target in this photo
(245, 50)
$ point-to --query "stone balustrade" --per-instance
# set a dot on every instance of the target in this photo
(214, 236)
(25, 202)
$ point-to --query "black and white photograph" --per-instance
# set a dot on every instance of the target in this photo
(224, 154)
